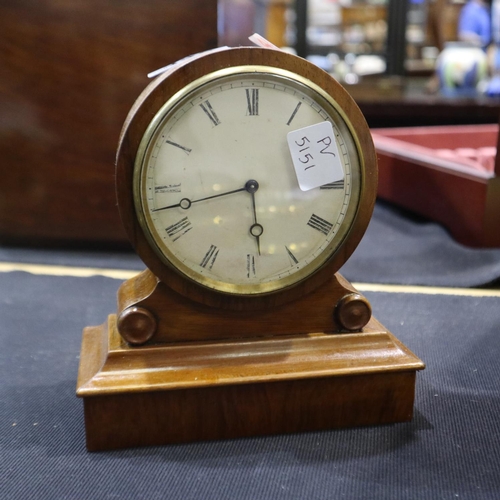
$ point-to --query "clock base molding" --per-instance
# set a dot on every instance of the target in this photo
(210, 390)
(150, 312)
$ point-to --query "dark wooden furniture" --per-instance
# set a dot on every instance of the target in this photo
(406, 102)
(70, 71)
(448, 174)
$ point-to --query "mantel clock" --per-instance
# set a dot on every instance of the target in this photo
(245, 179)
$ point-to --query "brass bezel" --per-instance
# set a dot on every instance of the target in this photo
(310, 89)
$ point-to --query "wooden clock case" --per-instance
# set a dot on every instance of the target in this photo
(179, 362)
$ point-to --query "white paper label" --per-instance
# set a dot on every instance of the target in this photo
(315, 155)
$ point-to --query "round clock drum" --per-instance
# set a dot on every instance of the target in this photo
(245, 173)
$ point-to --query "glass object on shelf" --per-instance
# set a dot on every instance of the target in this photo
(347, 37)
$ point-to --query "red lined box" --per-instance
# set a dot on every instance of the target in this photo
(450, 174)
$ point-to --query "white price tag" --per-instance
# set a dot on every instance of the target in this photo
(315, 155)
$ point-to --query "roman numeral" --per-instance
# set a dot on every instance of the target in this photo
(292, 257)
(175, 231)
(294, 113)
(321, 225)
(251, 266)
(172, 143)
(252, 102)
(210, 256)
(334, 185)
(209, 111)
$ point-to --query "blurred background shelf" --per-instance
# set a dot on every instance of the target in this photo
(71, 71)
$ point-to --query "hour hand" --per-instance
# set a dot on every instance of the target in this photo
(256, 229)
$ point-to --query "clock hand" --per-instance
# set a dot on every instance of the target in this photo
(256, 229)
(185, 203)
(251, 187)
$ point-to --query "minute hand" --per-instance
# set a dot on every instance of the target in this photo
(185, 203)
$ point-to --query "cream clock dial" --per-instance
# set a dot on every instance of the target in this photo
(216, 190)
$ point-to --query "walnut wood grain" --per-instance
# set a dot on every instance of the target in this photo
(70, 72)
(180, 319)
(218, 366)
(160, 418)
(166, 86)
(216, 390)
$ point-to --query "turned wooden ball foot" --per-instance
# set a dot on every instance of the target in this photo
(136, 325)
(353, 312)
